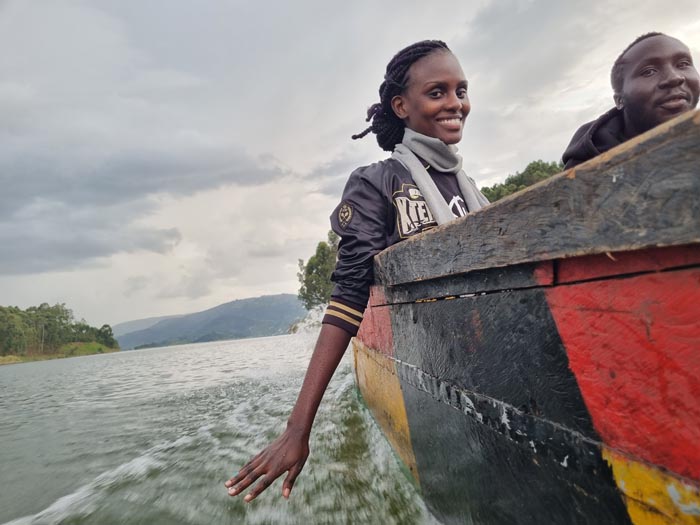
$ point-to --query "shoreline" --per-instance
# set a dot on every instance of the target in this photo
(67, 350)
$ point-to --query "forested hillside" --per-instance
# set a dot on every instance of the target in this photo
(45, 330)
(255, 317)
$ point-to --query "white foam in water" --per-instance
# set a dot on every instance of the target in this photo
(84, 500)
(210, 408)
(347, 381)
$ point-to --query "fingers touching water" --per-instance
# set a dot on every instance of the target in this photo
(287, 453)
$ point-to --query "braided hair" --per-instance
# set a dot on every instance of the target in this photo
(384, 123)
(616, 74)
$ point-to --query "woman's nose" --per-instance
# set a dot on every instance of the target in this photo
(454, 101)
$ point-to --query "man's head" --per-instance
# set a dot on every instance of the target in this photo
(654, 80)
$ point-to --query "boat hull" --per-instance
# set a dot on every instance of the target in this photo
(557, 387)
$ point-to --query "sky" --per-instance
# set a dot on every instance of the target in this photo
(162, 157)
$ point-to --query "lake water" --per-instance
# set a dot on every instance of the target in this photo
(149, 437)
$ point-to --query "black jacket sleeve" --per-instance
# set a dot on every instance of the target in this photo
(361, 222)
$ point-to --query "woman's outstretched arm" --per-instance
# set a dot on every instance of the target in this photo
(289, 451)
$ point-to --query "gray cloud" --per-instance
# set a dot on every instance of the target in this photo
(330, 177)
(129, 131)
(531, 48)
(134, 284)
(91, 133)
(121, 176)
(188, 287)
(48, 236)
(539, 69)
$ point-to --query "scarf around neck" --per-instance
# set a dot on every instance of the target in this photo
(443, 158)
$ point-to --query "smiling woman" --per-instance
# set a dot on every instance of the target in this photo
(420, 117)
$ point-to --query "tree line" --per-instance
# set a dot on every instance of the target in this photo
(315, 275)
(536, 171)
(43, 329)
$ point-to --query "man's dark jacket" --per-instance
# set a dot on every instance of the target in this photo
(595, 138)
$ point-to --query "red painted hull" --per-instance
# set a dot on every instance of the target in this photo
(539, 361)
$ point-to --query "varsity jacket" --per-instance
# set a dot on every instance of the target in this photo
(381, 205)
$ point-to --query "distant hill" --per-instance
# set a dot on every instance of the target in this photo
(139, 324)
(255, 317)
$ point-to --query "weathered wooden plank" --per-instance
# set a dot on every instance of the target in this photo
(634, 346)
(591, 267)
(374, 330)
(376, 377)
(489, 280)
(472, 474)
(642, 194)
(653, 495)
(504, 346)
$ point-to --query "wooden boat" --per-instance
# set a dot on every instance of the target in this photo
(538, 362)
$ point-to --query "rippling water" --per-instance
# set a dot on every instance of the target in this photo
(149, 437)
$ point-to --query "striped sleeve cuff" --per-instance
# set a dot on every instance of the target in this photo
(344, 314)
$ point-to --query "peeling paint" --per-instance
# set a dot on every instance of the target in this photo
(504, 418)
(692, 508)
(653, 495)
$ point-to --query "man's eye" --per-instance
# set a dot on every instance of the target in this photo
(648, 72)
(685, 63)
(462, 93)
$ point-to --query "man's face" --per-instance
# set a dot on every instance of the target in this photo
(659, 83)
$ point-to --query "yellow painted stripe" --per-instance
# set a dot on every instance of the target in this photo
(654, 497)
(343, 317)
(379, 385)
(346, 308)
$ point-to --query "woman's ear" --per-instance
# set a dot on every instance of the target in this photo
(399, 106)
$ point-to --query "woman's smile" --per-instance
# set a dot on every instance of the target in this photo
(435, 102)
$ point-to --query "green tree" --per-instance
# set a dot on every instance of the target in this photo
(16, 334)
(315, 275)
(44, 329)
(106, 336)
(52, 326)
(536, 171)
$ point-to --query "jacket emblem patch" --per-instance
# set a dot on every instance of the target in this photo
(344, 215)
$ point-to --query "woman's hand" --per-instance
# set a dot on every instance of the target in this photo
(287, 453)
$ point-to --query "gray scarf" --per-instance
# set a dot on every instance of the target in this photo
(443, 158)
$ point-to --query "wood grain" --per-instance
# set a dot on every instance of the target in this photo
(644, 193)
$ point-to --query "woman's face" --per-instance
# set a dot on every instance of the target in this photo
(435, 102)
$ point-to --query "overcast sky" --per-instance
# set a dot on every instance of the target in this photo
(165, 156)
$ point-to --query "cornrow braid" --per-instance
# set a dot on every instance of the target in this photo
(616, 73)
(383, 121)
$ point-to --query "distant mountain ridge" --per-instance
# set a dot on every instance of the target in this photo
(139, 324)
(253, 317)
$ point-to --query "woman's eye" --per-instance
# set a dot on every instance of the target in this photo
(435, 94)
(462, 93)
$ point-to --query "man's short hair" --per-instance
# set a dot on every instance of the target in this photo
(616, 74)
